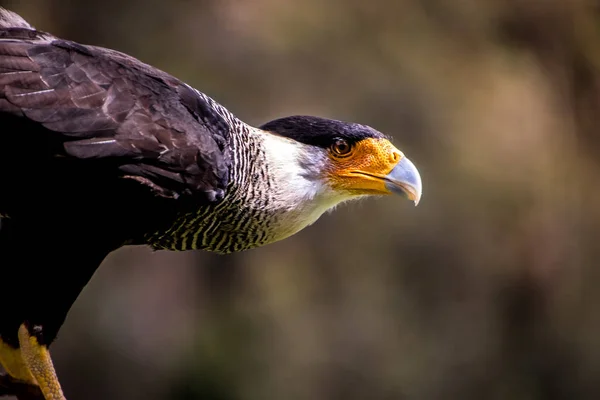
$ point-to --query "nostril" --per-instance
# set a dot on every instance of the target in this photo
(396, 156)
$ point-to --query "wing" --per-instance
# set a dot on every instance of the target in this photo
(97, 103)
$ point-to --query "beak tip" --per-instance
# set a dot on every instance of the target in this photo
(406, 180)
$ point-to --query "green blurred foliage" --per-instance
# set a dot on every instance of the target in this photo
(486, 290)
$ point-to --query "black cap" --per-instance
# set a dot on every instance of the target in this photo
(318, 131)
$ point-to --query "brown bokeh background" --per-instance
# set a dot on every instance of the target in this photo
(487, 290)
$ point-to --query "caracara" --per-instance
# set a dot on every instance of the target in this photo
(99, 150)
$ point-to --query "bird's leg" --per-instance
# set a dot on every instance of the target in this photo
(36, 358)
(13, 363)
(18, 380)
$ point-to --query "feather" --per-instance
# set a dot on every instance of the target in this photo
(93, 103)
(9, 19)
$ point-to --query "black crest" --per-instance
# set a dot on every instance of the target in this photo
(320, 132)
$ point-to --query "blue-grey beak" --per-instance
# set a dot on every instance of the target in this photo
(404, 179)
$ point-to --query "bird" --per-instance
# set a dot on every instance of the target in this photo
(99, 150)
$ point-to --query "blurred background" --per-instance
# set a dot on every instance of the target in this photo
(488, 289)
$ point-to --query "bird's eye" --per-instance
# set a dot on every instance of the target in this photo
(341, 147)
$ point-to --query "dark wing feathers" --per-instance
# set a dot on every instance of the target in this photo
(107, 105)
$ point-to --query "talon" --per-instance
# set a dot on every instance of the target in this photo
(37, 359)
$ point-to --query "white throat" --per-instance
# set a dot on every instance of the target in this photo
(300, 189)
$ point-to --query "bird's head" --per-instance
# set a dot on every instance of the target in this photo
(290, 171)
(347, 160)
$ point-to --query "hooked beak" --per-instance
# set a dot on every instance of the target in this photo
(376, 167)
(405, 180)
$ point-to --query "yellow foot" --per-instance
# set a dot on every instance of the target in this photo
(13, 364)
(37, 359)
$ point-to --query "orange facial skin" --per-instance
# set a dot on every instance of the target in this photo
(362, 168)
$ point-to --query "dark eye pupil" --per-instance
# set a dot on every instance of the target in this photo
(342, 147)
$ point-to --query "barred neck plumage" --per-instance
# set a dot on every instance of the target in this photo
(272, 195)
(212, 226)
